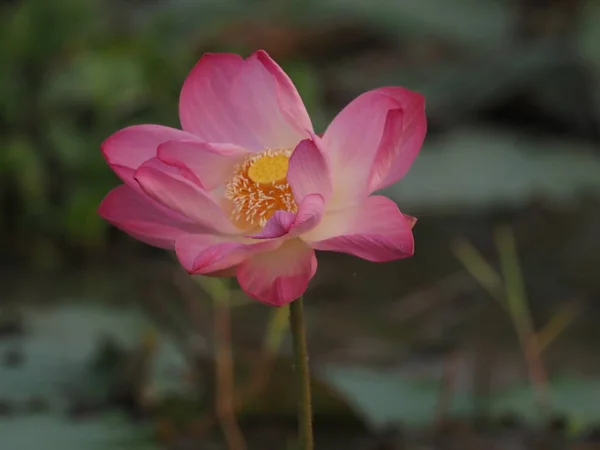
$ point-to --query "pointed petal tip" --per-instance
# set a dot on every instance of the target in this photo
(374, 230)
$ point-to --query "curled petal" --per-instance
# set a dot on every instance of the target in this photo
(207, 164)
(285, 223)
(183, 197)
(403, 136)
(363, 137)
(210, 253)
(277, 226)
(308, 172)
(309, 214)
(130, 211)
(280, 276)
(374, 230)
(129, 148)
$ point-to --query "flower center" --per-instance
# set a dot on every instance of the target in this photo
(259, 187)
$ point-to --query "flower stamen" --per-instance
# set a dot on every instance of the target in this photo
(259, 187)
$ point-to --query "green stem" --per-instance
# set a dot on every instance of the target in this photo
(298, 330)
(516, 299)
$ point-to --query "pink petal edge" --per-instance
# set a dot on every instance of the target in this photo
(290, 102)
(129, 148)
(206, 108)
(374, 230)
(209, 165)
(128, 210)
(182, 196)
(251, 102)
(210, 253)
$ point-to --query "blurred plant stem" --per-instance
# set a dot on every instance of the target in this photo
(509, 291)
(518, 308)
(558, 323)
(474, 262)
(490, 280)
(263, 368)
(262, 371)
(225, 406)
(298, 330)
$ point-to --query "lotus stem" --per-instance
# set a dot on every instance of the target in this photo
(298, 329)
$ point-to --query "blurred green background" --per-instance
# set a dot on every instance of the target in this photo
(99, 334)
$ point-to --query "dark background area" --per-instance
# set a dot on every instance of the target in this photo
(486, 339)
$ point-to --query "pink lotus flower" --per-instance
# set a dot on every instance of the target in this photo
(248, 189)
